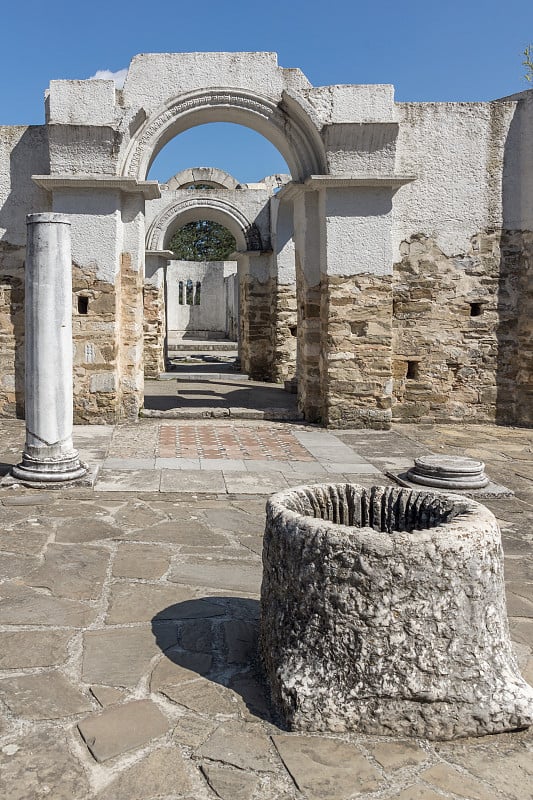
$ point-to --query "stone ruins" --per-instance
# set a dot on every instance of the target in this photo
(390, 274)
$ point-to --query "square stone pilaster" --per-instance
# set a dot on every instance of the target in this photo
(352, 309)
(108, 247)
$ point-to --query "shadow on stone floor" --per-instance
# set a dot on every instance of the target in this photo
(217, 641)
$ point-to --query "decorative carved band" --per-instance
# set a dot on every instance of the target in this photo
(145, 140)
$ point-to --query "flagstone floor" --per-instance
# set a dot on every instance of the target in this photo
(129, 614)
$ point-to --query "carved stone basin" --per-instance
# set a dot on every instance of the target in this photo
(383, 611)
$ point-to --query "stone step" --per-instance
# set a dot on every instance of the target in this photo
(203, 377)
(269, 414)
(198, 347)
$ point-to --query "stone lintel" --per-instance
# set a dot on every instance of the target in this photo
(314, 182)
(149, 189)
(168, 254)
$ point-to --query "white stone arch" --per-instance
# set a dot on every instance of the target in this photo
(181, 212)
(207, 176)
(287, 123)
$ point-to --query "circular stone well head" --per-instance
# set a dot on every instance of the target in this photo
(383, 611)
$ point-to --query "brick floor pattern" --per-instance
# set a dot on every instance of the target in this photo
(248, 443)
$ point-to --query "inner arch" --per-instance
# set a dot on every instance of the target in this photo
(181, 213)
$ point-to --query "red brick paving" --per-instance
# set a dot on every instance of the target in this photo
(250, 443)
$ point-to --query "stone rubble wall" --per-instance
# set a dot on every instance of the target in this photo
(131, 356)
(95, 348)
(456, 324)
(11, 331)
(284, 329)
(256, 327)
(154, 330)
(308, 337)
(524, 375)
(356, 316)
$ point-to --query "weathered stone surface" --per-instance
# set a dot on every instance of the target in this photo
(121, 728)
(23, 649)
(229, 783)
(21, 605)
(241, 640)
(460, 376)
(161, 773)
(26, 538)
(356, 323)
(41, 765)
(239, 576)
(48, 695)
(140, 561)
(72, 572)
(121, 656)
(201, 696)
(135, 514)
(197, 636)
(235, 521)
(251, 695)
(179, 667)
(107, 695)
(90, 529)
(15, 565)
(138, 602)
(192, 730)
(443, 776)
(506, 765)
(402, 629)
(395, 755)
(243, 746)
(182, 531)
(418, 791)
(327, 768)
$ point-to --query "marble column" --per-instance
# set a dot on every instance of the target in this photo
(49, 455)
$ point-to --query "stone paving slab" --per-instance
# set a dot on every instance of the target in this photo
(146, 638)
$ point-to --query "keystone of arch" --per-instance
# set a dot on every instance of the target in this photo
(286, 123)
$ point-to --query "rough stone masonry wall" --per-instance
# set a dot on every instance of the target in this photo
(524, 400)
(94, 334)
(130, 363)
(256, 328)
(11, 331)
(456, 330)
(284, 314)
(308, 336)
(154, 330)
(356, 317)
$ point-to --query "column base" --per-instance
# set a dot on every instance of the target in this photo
(57, 470)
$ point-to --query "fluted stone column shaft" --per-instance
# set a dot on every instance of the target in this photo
(49, 454)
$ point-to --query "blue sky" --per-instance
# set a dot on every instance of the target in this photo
(448, 50)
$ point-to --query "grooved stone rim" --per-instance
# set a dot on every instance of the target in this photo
(383, 611)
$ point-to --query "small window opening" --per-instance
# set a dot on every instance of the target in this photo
(412, 370)
(188, 293)
(180, 293)
(293, 330)
(476, 309)
(83, 304)
(197, 293)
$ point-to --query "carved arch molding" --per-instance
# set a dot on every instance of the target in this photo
(284, 123)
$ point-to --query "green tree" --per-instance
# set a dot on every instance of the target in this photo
(528, 62)
(203, 241)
